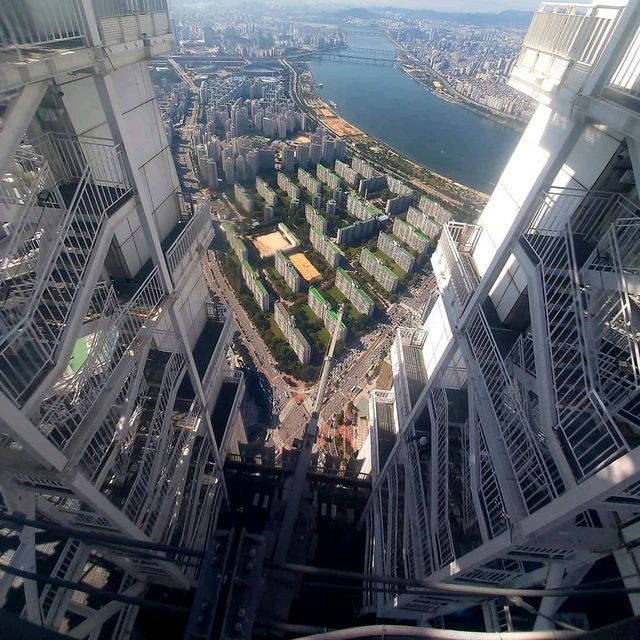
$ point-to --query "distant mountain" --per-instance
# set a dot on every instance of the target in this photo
(357, 12)
(511, 18)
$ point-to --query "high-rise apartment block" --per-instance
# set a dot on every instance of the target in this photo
(363, 168)
(358, 297)
(288, 159)
(256, 286)
(293, 335)
(434, 210)
(396, 252)
(243, 197)
(303, 154)
(348, 174)
(359, 230)
(514, 407)
(288, 186)
(113, 358)
(322, 308)
(312, 185)
(285, 268)
(237, 244)
(360, 209)
(410, 235)
(327, 176)
(378, 270)
(404, 196)
(422, 221)
(327, 249)
(315, 219)
(266, 192)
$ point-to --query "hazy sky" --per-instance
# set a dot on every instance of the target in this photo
(488, 6)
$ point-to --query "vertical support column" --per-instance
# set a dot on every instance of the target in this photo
(110, 102)
(92, 32)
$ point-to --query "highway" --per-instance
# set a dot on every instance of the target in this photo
(252, 339)
(184, 76)
(344, 378)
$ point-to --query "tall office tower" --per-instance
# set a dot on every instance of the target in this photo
(515, 416)
(112, 356)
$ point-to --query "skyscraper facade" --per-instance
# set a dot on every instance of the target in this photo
(512, 457)
(112, 354)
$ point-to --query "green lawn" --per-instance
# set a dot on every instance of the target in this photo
(275, 329)
(336, 295)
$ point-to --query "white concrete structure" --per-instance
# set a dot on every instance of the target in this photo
(516, 404)
(112, 357)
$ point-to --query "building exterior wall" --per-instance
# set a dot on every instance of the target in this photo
(315, 219)
(325, 247)
(309, 182)
(358, 297)
(396, 252)
(410, 236)
(490, 379)
(380, 272)
(296, 340)
(360, 230)
(266, 192)
(286, 269)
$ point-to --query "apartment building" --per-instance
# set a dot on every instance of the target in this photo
(293, 335)
(266, 192)
(256, 286)
(359, 230)
(327, 176)
(315, 219)
(312, 185)
(358, 297)
(288, 186)
(411, 236)
(379, 271)
(322, 308)
(348, 174)
(327, 249)
(396, 252)
(290, 274)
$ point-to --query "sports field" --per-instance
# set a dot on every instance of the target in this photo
(268, 244)
(306, 269)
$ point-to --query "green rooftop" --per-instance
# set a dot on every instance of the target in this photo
(248, 267)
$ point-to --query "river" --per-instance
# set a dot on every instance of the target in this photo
(385, 103)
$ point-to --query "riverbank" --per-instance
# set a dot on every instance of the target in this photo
(505, 120)
(414, 69)
(465, 200)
